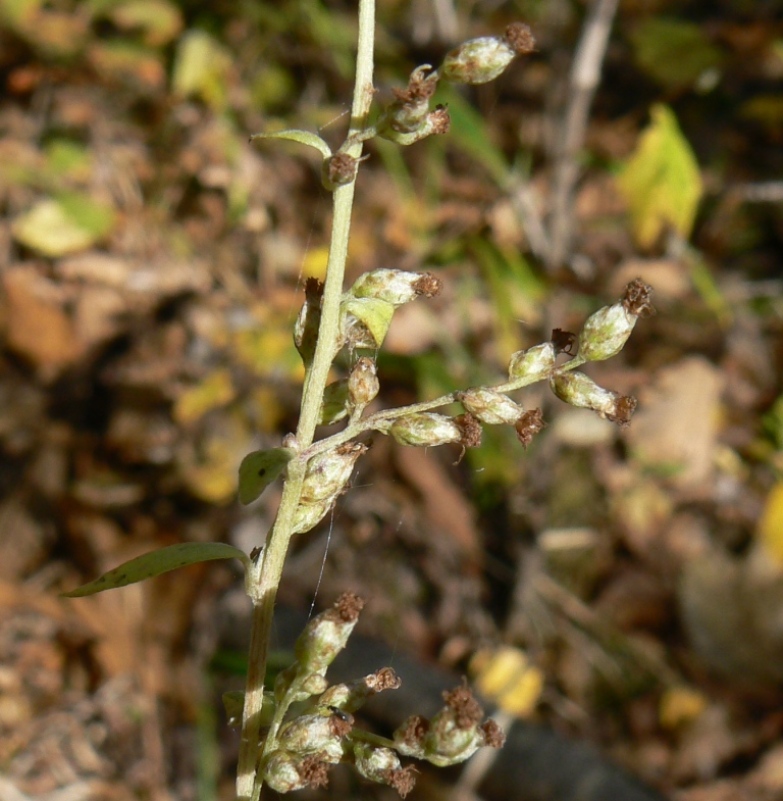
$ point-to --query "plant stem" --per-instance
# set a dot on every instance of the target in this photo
(266, 579)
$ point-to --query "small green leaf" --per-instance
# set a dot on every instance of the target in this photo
(155, 563)
(302, 137)
(661, 180)
(374, 314)
(259, 469)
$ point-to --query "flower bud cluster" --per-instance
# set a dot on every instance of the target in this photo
(453, 735)
(408, 118)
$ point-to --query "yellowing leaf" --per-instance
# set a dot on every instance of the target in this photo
(661, 180)
(314, 265)
(679, 706)
(770, 530)
(158, 562)
(215, 391)
(201, 68)
(507, 677)
(67, 225)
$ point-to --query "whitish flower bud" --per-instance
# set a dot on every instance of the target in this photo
(490, 407)
(408, 111)
(606, 331)
(382, 765)
(363, 383)
(334, 406)
(326, 634)
(481, 60)
(280, 770)
(350, 697)
(437, 122)
(327, 473)
(396, 286)
(425, 428)
(580, 390)
(316, 733)
(455, 733)
(533, 364)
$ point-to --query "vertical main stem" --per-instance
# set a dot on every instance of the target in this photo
(264, 581)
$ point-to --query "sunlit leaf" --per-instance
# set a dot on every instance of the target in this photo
(302, 137)
(201, 68)
(155, 563)
(374, 314)
(158, 20)
(770, 530)
(216, 390)
(66, 225)
(506, 676)
(661, 180)
(259, 469)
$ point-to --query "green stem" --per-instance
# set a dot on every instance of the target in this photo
(380, 421)
(265, 580)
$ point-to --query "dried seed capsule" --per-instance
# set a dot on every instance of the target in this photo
(395, 286)
(306, 326)
(328, 473)
(533, 364)
(455, 733)
(425, 428)
(580, 390)
(484, 59)
(338, 170)
(490, 407)
(437, 122)
(363, 383)
(408, 111)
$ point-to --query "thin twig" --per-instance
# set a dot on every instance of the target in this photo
(585, 76)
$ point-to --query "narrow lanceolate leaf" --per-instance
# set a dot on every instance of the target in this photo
(155, 563)
(302, 137)
(259, 469)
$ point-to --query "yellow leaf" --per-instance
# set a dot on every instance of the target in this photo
(770, 530)
(506, 677)
(661, 180)
(314, 265)
(679, 706)
(215, 391)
